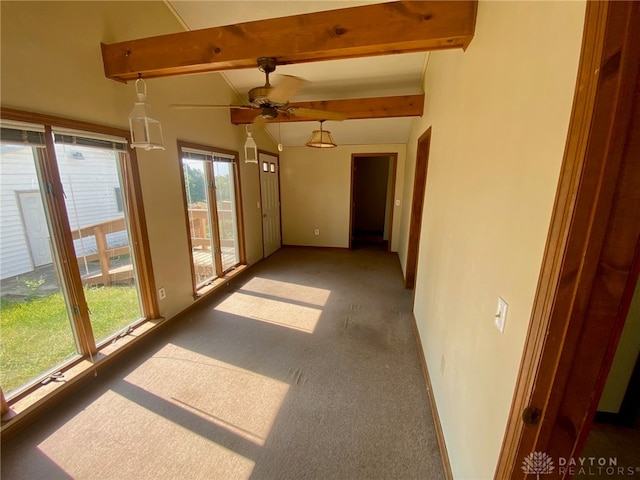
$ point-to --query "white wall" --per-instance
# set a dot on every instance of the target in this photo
(499, 114)
(52, 64)
(315, 191)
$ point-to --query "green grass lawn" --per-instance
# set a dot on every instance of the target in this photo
(36, 335)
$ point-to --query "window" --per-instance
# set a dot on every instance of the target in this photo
(69, 254)
(117, 192)
(212, 202)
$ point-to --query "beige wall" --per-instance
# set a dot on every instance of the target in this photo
(499, 114)
(315, 191)
(51, 63)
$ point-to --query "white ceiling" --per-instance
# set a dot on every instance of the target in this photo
(329, 80)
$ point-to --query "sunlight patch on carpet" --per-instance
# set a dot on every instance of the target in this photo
(140, 417)
(234, 399)
(288, 291)
(283, 313)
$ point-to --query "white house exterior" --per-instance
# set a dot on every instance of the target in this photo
(92, 192)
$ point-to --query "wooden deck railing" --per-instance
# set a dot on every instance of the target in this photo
(105, 254)
(199, 226)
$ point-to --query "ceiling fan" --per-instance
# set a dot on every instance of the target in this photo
(273, 101)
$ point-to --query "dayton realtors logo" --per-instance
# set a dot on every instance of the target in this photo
(539, 463)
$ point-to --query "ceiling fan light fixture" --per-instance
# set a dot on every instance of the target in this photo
(321, 139)
(269, 113)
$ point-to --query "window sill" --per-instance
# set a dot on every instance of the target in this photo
(25, 406)
(218, 283)
(28, 404)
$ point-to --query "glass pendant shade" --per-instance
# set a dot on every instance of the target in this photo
(146, 131)
(321, 139)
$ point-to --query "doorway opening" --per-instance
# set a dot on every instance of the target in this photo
(372, 192)
(615, 432)
(417, 204)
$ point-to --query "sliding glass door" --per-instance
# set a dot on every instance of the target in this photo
(69, 281)
(212, 202)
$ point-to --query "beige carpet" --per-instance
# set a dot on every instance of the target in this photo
(308, 369)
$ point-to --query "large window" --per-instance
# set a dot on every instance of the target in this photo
(70, 240)
(212, 201)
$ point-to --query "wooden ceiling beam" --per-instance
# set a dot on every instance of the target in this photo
(378, 29)
(355, 108)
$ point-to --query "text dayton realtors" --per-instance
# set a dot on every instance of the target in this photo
(599, 466)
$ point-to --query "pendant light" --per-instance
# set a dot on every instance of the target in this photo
(280, 147)
(250, 148)
(146, 131)
(321, 139)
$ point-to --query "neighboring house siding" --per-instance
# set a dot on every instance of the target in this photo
(91, 187)
(17, 173)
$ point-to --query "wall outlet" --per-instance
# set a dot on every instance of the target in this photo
(316, 231)
(162, 293)
(501, 314)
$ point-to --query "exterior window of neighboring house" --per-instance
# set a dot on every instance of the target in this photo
(117, 191)
(212, 202)
(70, 276)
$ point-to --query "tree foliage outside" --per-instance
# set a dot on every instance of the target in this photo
(195, 184)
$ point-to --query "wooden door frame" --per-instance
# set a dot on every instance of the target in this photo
(393, 164)
(277, 157)
(591, 258)
(417, 206)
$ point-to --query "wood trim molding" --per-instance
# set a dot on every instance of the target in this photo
(180, 145)
(40, 118)
(410, 26)
(353, 108)
(417, 207)
(140, 234)
(446, 463)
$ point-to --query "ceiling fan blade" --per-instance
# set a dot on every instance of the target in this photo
(190, 106)
(286, 89)
(314, 114)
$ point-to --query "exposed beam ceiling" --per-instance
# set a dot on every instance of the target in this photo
(355, 108)
(379, 29)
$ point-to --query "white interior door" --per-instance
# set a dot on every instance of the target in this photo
(35, 225)
(270, 202)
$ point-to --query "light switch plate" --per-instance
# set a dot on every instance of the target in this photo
(501, 314)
